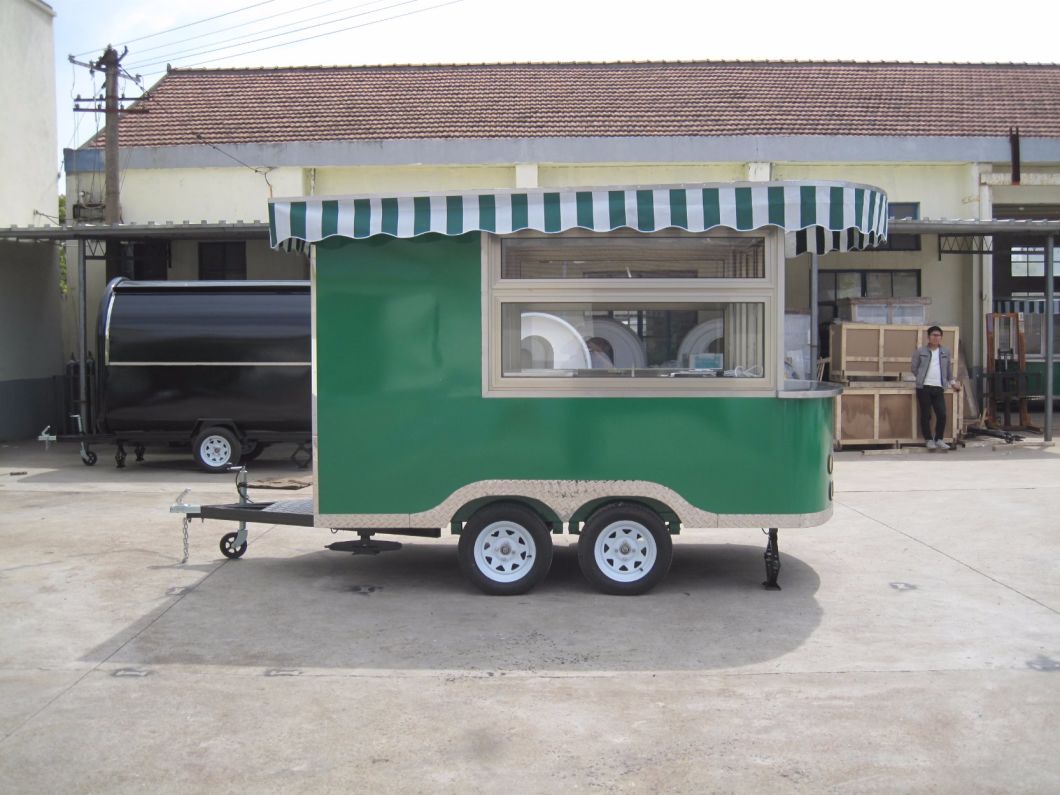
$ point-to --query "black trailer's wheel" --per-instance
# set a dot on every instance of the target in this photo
(228, 547)
(505, 549)
(89, 459)
(216, 449)
(625, 549)
(253, 450)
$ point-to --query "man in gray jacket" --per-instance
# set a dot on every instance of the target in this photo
(933, 367)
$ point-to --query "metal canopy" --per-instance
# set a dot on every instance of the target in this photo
(973, 236)
(993, 226)
(220, 230)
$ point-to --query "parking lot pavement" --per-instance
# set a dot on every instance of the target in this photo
(915, 646)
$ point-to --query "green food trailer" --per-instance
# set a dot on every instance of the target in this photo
(511, 365)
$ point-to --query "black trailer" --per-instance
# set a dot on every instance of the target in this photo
(224, 366)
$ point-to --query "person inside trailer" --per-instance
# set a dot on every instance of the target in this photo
(600, 357)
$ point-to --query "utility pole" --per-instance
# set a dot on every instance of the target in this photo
(110, 64)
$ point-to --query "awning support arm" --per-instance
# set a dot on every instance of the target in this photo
(1050, 322)
(815, 332)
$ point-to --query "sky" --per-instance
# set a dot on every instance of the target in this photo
(266, 33)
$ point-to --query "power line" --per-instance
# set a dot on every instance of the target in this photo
(194, 53)
(248, 38)
(187, 25)
(321, 35)
(243, 25)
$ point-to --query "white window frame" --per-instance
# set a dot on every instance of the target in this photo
(767, 290)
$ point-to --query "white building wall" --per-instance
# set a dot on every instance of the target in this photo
(30, 318)
(408, 179)
(604, 175)
(27, 158)
(204, 194)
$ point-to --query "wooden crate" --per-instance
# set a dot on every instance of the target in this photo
(866, 350)
(887, 413)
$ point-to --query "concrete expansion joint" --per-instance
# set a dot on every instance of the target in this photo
(956, 560)
(1041, 663)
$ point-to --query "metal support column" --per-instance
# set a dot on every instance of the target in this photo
(815, 332)
(1050, 321)
(82, 337)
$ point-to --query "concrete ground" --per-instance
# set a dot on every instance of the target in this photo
(915, 647)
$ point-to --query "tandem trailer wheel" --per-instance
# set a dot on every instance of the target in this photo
(625, 549)
(229, 548)
(505, 549)
(215, 449)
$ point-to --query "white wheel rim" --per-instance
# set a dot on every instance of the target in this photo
(625, 551)
(505, 551)
(215, 451)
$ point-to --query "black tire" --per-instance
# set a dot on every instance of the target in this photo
(215, 449)
(253, 450)
(228, 547)
(505, 549)
(625, 549)
(89, 459)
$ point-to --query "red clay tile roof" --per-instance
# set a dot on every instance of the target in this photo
(597, 99)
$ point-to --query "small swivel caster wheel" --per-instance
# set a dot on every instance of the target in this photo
(229, 548)
(90, 458)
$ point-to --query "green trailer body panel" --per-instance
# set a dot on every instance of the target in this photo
(402, 423)
(1036, 371)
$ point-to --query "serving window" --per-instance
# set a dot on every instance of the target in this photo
(593, 314)
(616, 339)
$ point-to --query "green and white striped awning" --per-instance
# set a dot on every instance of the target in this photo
(816, 216)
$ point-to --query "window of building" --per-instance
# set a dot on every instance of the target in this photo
(624, 313)
(223, 261)
(1028, 262)
(146, 260)
(838, 284)
(902, 242)
(1019, 267)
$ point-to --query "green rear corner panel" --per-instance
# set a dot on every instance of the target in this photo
(1036, 371)
(402, 422)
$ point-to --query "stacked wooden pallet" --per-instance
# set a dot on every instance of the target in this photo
(878, 405)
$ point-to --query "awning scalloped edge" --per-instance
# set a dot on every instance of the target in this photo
(816, 217)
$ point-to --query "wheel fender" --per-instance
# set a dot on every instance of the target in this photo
(585, 512)
(548, 516)
(224, 422)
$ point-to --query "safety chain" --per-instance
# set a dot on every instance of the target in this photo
(184, 527)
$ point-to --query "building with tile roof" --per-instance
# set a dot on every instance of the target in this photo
(945, 141)
(590, 100)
